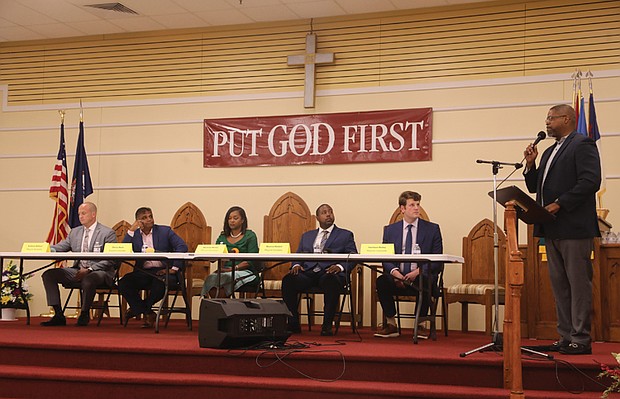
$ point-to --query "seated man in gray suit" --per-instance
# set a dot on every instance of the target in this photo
(90, 274)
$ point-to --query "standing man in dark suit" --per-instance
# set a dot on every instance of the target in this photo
(146, 236)
(566, 183)
(402, 279)
(330, 277)
(91, 236)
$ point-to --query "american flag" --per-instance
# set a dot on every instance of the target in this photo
(59, 193)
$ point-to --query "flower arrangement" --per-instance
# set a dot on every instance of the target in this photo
(614, 374)
(11, 294)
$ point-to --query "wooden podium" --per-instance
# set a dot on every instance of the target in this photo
(518, 205)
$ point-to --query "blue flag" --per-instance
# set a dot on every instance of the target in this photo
(581, 123)
(81, 185)
(593, 131)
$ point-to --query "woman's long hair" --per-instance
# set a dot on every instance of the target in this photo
(244, 225)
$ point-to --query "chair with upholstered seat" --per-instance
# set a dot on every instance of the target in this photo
(478, 274)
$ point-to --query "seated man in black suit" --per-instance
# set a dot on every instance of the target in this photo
(328, 276)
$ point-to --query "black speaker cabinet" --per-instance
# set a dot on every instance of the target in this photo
(236, 323)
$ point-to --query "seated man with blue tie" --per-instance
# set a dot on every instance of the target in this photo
(330, 277)
(91, 236)
(402, 279)
(146, 236)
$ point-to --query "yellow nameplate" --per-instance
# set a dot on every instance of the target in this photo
(274, 248)
(117, 248)
(211, 249)
(380, 249)
(40, 247)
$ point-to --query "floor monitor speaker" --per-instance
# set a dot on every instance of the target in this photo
(241, 323)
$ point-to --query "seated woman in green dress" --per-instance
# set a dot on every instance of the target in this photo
(237, 238)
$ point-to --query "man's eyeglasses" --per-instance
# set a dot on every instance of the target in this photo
(552, 117)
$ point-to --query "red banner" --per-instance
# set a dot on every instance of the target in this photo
(377, 136)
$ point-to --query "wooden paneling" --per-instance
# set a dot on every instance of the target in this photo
(541, 315)
(412, 46)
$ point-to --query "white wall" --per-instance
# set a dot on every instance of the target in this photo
(150, 154)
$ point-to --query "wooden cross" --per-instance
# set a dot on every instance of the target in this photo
(309, 60)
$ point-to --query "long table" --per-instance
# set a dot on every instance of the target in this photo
(220, 258)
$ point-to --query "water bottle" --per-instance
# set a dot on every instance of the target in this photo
(144, 248)
(416, 249)
(97, 247)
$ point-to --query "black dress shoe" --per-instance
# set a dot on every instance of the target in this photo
(326, 331)
(129, 314)
(57, 320)
(557, 345)
(83, 320)
(576, 349)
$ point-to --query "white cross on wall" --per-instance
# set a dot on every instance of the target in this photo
(309, 60)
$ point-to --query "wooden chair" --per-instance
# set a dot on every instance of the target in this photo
(478, 281)
(190, 224)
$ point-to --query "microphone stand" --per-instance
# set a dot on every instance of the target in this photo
(497, 344)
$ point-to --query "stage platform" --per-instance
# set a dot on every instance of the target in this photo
(111, 361)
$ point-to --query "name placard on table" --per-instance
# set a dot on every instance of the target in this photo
(377, 249)
(274, 248)
(36, 247)
(117, 248)
(211, 249)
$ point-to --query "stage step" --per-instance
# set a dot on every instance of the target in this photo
(116, 362)
(70, 383)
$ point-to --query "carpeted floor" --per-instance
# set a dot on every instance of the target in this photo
(134, 362)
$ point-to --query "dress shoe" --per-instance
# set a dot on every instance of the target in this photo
(129, 314)
(83, 319)
(149, 319)
(326, 331)
(576, 349)
(388, 331)
(558, 345)
(57, 320)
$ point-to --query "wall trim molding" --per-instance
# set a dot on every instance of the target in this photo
(282, 184)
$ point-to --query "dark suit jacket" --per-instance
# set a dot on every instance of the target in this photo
(102, 235)
(428, 238)
(164, 240)
(340, 241)
(573, 179)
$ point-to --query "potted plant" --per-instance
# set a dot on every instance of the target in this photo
(614, 374)
(12, 296)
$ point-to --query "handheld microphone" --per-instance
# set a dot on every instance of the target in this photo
(541, 136)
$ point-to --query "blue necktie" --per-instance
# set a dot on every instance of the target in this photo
(408, 245)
